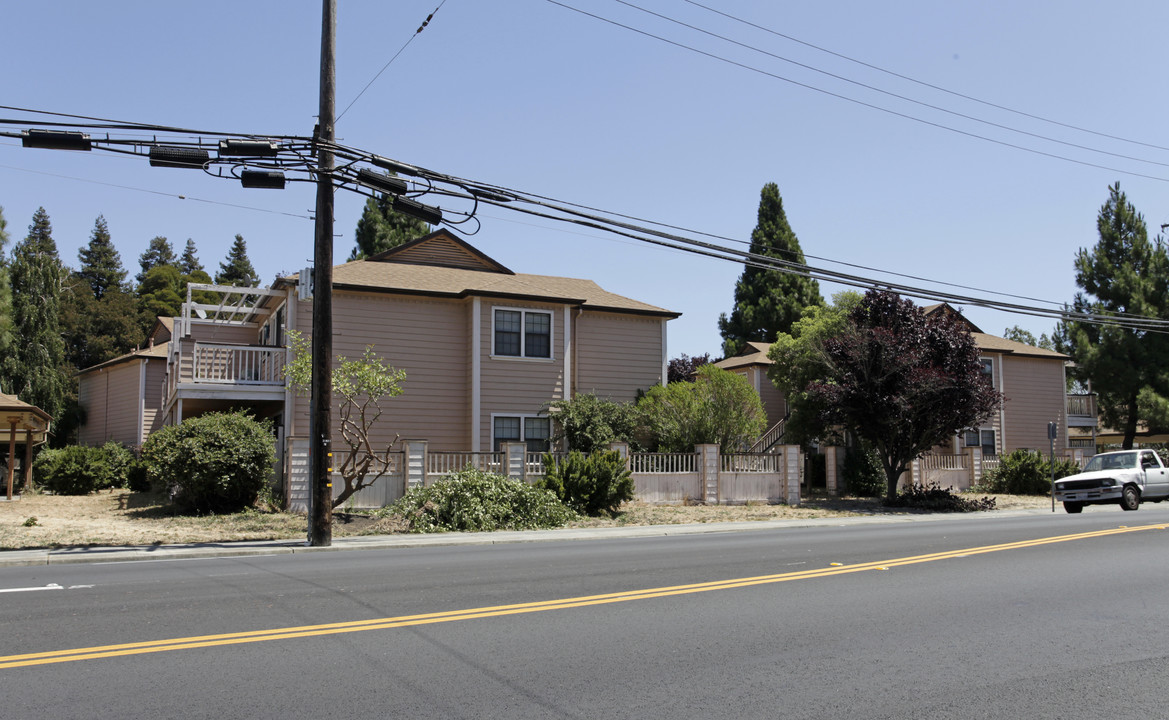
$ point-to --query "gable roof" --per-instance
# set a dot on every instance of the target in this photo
(993, 343)
(753, 353)
(440, 249)
(157, 351)
(441, 265)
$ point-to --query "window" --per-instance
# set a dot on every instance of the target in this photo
(975, 437)
(988, 370)
(533, 431)
(523, 333)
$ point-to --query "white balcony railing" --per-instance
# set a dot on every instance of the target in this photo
(238, 364)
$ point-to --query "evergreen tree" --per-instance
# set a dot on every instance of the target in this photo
(768, 302)
(101, 266)
(381, 228)
(158, 253)
(161, 294)
(1123, 273)
(189, 262)
(237, 270)
(98, 330)
(35, 369)
(5, 292)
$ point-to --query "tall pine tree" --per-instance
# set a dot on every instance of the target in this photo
(5, 291)
(35, 369)
(768, 302)
(1123, 273)
(381, 228)
(101, 266)
(189, 262)
(159, 252)
(237, 270)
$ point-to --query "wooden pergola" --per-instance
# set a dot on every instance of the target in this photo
(21, 423)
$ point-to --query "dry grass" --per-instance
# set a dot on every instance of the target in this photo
(124, 518)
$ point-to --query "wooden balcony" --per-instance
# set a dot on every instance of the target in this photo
(1081, 410)
(222, 371)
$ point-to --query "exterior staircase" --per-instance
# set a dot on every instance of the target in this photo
(770, 439)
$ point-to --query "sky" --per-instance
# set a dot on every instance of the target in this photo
(1026, 112)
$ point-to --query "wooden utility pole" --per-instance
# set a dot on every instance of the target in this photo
(321, 403)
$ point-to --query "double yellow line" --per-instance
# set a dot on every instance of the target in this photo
(202, 641)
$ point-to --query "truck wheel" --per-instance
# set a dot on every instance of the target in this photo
(1073, 507)
(1130, 499)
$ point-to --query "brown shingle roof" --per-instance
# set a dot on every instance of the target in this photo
(753, 353)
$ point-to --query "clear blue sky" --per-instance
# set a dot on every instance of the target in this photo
(533, 96)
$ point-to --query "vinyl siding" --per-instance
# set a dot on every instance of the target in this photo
(517, 386)
(1035, 395)
(152, 418)
(110, 397)
(773, 398)
(428, 340)
(617, 355)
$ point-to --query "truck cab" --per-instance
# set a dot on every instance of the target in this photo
(1126, 477)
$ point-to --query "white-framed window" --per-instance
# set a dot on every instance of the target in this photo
(533, 430)
(980, 437)
(516, 332)
(988, 369)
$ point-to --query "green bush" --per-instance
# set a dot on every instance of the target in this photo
(121, 462)
(73, 470)
(862, 471)
(589, 484)
(1026, 472)
(213, 463)
(477, 501)
(933, 498)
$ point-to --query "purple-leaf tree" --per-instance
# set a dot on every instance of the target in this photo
(903, 381)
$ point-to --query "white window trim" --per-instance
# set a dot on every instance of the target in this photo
(523, 417)
(523, 331)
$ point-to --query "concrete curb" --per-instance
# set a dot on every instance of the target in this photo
(77, 555)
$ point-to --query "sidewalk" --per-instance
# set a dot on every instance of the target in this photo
(60, 556)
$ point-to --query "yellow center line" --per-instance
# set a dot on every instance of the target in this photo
(202, 641)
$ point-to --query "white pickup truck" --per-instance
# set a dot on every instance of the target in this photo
(1126, 477)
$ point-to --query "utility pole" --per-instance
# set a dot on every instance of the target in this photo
(321, 402)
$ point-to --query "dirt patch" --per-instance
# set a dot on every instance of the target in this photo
(124, 518)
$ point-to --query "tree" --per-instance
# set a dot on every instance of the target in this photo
(590, 423)
(35, 368)
(768, 302)
(1026, 337)
(237, 270)
(720, 407)
(159, 252)
(1123, 273)
(381, 228)
(903, 381)
(5, 291)
(359, 386)
(98, 330)
(161, 293)
(682, 368)
(101, 266)
(189, 262)
(798, 360)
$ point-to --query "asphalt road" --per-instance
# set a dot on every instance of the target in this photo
(1039, 616)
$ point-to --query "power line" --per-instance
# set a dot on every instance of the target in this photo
(922, 82)
(855, 101)
(888, 93)
(395, 57)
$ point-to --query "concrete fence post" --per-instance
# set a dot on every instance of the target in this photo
(416, 463)
(830, 479)
(792, 462)
(622, 449)
(515, 460)
(708, 468)
(975, 455)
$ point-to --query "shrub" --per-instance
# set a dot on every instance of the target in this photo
(73, 470)
(477, 501)
(589, 484)
(121, 462)
(863, 474)
(590, 423)
(1026, 472)
(932, 497)
(217, 462)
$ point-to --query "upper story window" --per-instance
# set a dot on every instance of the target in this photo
(988, 370)
(522, 333)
